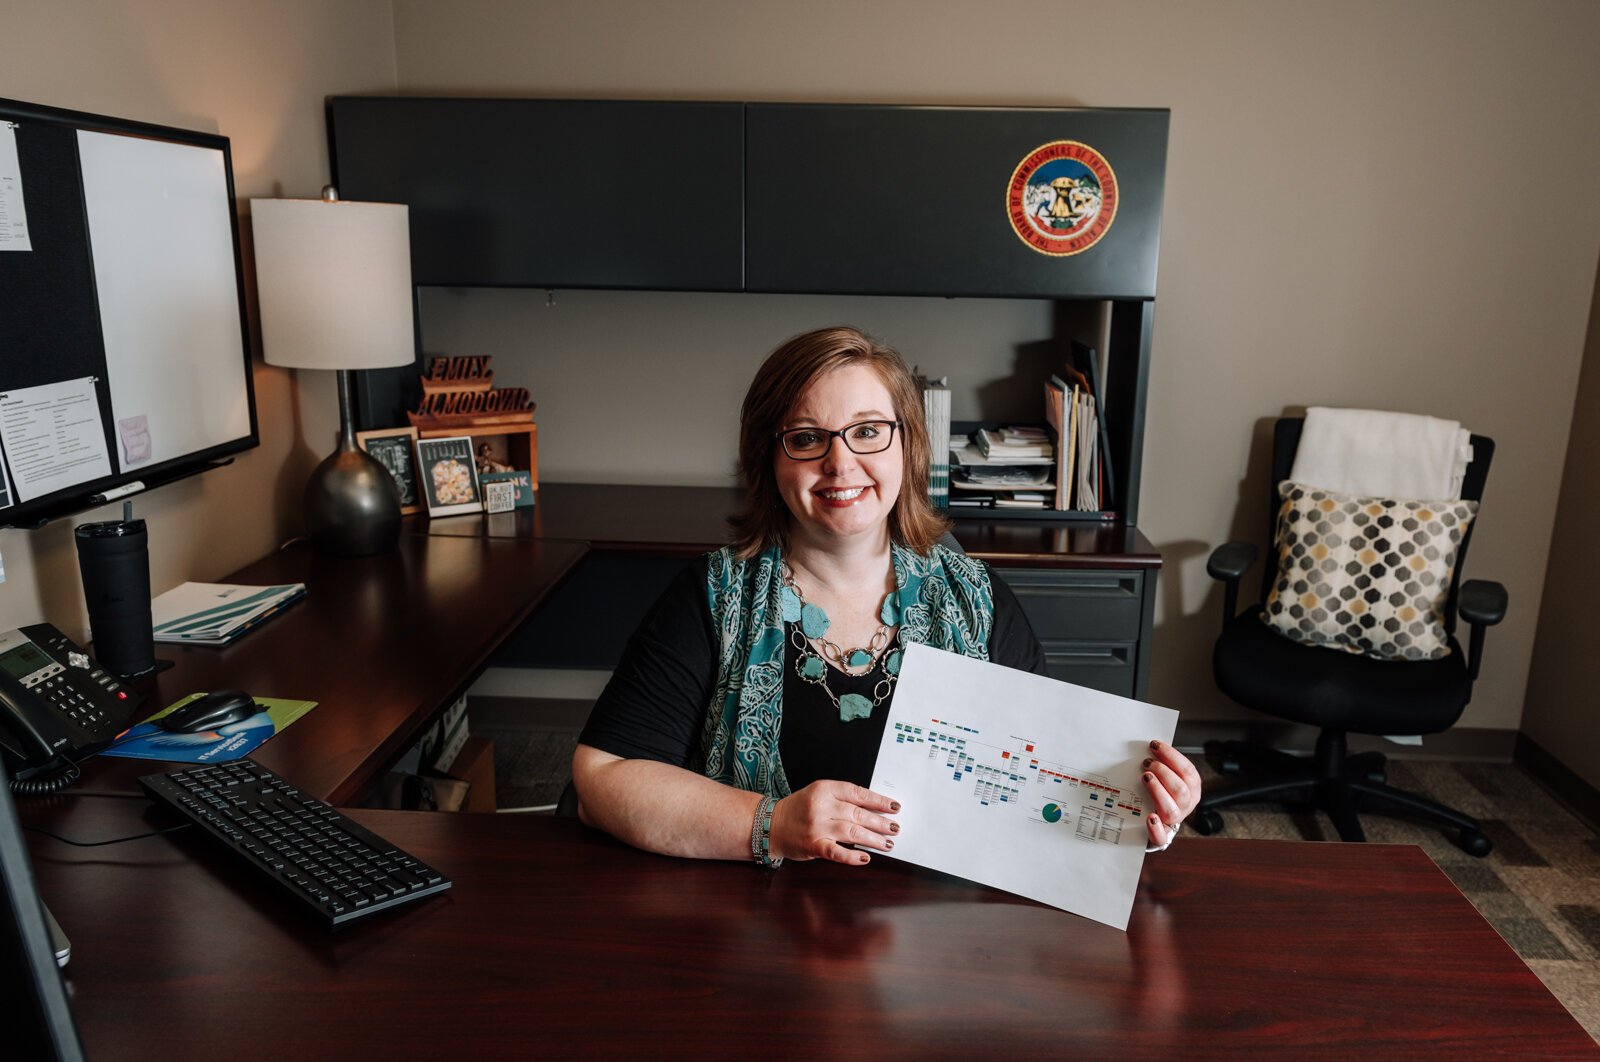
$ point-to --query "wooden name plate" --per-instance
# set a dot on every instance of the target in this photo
(459, 393)
(457, 374)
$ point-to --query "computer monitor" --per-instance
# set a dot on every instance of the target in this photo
(124, 355)
(38, 1021)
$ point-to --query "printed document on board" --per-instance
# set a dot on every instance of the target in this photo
(13, 212)
(1021, 782)
(53, 437)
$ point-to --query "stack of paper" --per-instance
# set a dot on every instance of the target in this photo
(217, 613)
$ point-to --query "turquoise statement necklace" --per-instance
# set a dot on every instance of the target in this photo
(808, 632)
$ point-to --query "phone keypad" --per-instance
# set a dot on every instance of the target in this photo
(74, 705)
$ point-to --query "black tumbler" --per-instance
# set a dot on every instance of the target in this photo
(114, 559)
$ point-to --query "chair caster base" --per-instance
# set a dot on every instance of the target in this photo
(1205, 823)
(1474, 843)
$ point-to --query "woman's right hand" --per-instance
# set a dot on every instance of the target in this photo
(819, 820)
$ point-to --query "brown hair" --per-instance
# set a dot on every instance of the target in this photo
(763, 522)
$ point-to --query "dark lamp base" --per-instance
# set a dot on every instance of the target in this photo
(352, 505)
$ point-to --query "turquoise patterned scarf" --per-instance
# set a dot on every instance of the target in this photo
(945, 601)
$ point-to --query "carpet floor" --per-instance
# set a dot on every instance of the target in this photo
(1539, 888)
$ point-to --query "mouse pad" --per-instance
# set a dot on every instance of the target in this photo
(147, 741)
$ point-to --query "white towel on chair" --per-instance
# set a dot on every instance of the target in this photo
(1382, 455)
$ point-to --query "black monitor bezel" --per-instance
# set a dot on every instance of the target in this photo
(43, 1001)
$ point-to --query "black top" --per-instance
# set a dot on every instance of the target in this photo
(655, 704)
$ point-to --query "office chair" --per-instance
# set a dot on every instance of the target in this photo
(1340, 692)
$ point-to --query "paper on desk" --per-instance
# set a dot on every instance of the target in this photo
(1020, 782)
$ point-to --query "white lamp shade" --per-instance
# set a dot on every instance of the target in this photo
(334, 280)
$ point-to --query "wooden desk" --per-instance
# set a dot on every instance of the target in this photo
(558, 941)
(1088, 588)
(382, 644)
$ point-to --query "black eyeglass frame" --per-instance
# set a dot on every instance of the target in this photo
(783, 439)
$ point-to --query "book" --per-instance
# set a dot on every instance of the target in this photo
(969, 456)
(1085, 490)
(1000, 478)
(1060, 407)
(996, 446)
(217, 613)
(1086, 363)
(1014, 501)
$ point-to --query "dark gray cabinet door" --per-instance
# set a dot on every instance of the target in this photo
(554, 193)
(915, 200)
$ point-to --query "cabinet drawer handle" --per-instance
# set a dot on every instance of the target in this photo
(1123, 587)
(1113, 653)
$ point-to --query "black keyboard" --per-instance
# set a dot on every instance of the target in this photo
(335, 868)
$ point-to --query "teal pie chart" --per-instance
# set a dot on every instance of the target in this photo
(1051, 812)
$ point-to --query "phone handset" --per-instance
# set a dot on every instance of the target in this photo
(56, 706)
(26, 717)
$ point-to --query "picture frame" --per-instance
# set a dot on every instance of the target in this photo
(396, 450)
(448, 475)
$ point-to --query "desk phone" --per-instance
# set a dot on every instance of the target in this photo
(55, 706)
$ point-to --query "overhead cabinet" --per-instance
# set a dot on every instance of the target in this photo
(1054, 203)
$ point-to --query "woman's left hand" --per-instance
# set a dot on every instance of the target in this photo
(1174, 787)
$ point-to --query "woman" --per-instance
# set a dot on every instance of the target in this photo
(745, 716)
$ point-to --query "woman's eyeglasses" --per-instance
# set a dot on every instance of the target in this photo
(863, 437)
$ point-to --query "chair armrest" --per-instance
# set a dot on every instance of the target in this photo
(1481, 602)
(1231, 560)
(1227, 565)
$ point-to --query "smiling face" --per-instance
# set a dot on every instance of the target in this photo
(842, 494)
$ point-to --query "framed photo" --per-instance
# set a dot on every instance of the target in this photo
(395, 450)
(448, 475)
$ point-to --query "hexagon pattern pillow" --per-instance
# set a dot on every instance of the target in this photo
(1366, 575)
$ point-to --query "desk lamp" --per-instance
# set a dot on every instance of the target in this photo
(335, 285)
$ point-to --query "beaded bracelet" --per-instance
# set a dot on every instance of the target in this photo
(761, 835)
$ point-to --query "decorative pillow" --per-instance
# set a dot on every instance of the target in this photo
(1366, 575)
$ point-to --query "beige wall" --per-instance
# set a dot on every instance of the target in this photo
(257, 73)
(1368, 204)
(1560, 713)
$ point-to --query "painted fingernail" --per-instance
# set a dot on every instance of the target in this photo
(894, 805)
(1149, 777)
(894, 827)
(888, 844)
(1146, 764)
(1155, 744)
(865, 858)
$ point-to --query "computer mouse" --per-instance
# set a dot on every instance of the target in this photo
(209, 712)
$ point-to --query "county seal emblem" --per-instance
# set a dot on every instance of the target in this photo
(1062, 198)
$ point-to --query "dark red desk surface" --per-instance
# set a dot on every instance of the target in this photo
(382, 644)
(557, 942)
(692, 520)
